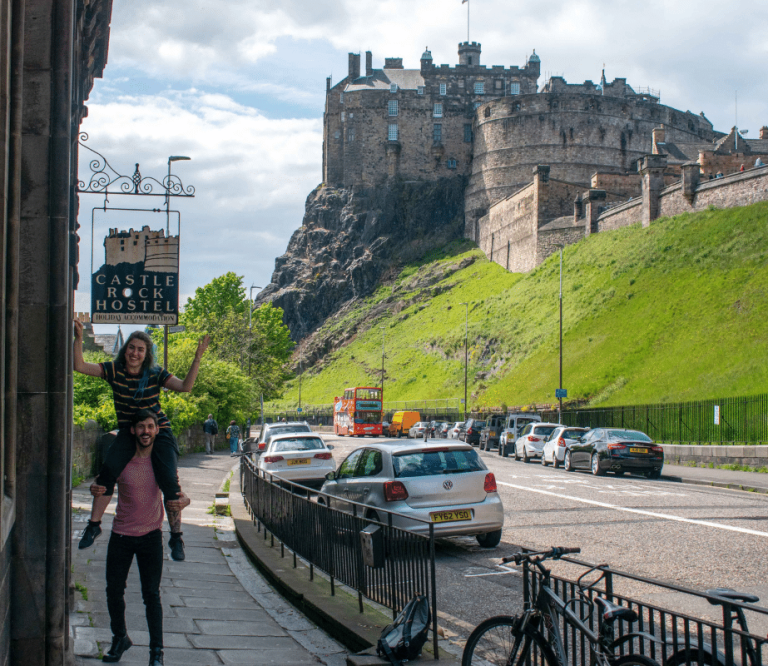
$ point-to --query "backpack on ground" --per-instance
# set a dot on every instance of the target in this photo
(403, 639)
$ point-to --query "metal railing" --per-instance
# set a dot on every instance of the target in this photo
(674, 638)
(329, 540)
(717, 421)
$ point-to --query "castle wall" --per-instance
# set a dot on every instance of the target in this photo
(622, 215)
(619, 185)
(508, 233)
(577, 134)
(562, 232)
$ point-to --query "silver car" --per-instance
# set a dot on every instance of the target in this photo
(445, 484)
(560, 441)
(530, 444)
(269, 430)
(299, 457)
(417, 429)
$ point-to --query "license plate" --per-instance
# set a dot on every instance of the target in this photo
(299, 461)
(492, 434)
(450, 516)
(634, 450)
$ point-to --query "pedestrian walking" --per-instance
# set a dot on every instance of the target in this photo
(211, 429)
(137, 532)
(136, 382)
(233, 434)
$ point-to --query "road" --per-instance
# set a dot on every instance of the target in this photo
(693, 536)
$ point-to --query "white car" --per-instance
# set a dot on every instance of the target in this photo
(303, 458)
(530, 444)
(561, 439)
(453, 431)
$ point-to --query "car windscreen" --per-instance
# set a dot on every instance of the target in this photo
(634, 435)
(298, 444)
(286, 430)
(367, 417)
(428, 463)
(574, 433)
(543, 431)
(478, 425)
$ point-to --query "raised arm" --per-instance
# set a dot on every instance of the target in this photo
(185, 386)
(93, 369)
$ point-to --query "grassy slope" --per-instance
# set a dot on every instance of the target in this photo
(677, 311)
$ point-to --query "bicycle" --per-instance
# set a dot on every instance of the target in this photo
(509, 641)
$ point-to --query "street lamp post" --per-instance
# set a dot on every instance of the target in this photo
(172, 158)
(560, 395)
(382, 365)
(250, 320)
(301, 372)
(466, 353)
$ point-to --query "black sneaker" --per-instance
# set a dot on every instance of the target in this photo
(89, 535)
(156, 657)
(119, 645)
(177, 547)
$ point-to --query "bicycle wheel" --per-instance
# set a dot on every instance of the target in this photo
(634, 660)
(495, 642)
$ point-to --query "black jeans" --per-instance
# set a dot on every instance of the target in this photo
(148, 550)
(165, 455)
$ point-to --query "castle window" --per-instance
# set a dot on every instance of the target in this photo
(487, 112)
(343, 116)
(451, 164)
(392, 132)
(437, 112)
(122, 248)
(336, 134)
(351, 134)
(393, 87)
(437, 133)
(497, 84)
(468, 132)
(122, 242)
(135, 242)
(421, 90)
(514, 88)
(479, 88)
(443, 89)
(469, 60)
(392, 107)
(341, 98)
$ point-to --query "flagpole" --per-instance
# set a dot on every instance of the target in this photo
(467, 21)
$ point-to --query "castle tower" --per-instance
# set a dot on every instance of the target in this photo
(426, 61)
(469, 54)
(534, 64)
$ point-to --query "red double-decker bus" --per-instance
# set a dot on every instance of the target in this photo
(358, 412)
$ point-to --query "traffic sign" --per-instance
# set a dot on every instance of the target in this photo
(298, 411)
(561, 393)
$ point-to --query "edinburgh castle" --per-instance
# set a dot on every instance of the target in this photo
(542, 166)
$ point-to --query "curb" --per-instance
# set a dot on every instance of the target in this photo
(716, 484)
(337, 615)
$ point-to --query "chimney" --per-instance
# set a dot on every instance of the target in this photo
(368, 63)
(764, 132)
(328, 84)
(393, 63)
(354, 66)
(659, 134)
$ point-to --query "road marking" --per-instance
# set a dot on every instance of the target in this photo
(505, 572)
(642, 512)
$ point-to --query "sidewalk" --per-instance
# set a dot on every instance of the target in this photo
(217, 608)
(755, 482)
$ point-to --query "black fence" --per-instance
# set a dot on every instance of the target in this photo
(673, 638)
(722, 421)
(330, 540)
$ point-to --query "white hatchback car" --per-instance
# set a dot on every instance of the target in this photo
(303, 458)
(561, 439)
(453, 431)
(530, 444)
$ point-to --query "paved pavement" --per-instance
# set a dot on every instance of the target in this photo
(217, 608)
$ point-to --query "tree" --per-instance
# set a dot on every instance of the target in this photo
(215, 300)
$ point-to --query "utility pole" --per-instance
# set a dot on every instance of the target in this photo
(382, 365)
(466, 353)
(250, 320)
(301, 372)
(560, 396)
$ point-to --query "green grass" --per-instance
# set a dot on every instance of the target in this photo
(673, 312)
(83, 590)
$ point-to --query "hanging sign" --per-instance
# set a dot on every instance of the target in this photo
(139, 281)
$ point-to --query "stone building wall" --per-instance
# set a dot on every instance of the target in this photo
(620, 216)
(508, 232)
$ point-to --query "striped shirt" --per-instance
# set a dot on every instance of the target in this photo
(129, 394)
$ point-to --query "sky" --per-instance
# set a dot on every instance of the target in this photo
(239, 86)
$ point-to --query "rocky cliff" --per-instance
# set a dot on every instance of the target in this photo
(351, 241)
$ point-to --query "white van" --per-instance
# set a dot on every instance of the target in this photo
(512, 428)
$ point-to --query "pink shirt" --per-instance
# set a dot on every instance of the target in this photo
(139, 502)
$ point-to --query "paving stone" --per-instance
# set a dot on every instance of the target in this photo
(264, 627)
(264, 657)
(284, 643)
(255, 614)
(205, 602)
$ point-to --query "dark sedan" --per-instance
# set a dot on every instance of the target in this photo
(471, 434)
(616, 450)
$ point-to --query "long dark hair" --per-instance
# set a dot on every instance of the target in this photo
(149, 359)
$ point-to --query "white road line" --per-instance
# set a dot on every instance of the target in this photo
(642, 512)
(505, 572)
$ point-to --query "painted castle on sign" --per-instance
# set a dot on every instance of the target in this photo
(543, 166)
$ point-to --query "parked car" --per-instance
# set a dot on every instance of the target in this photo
(489, 435)
(442, 430)
(618, 450)
(299, 457)
(512, 428)
(453, 430)
(446, 484)
(258, 444)
(530, 444)
(417, 429)
(402, 422)
(559, 442)
(471, 432)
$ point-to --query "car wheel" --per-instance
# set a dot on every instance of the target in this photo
(489, 540)
(526, 459)
(517, 457)
(568, 463)
(596, 471)
(544, 462)
(555, 461)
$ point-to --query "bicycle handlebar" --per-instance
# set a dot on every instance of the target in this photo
(552, 553)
